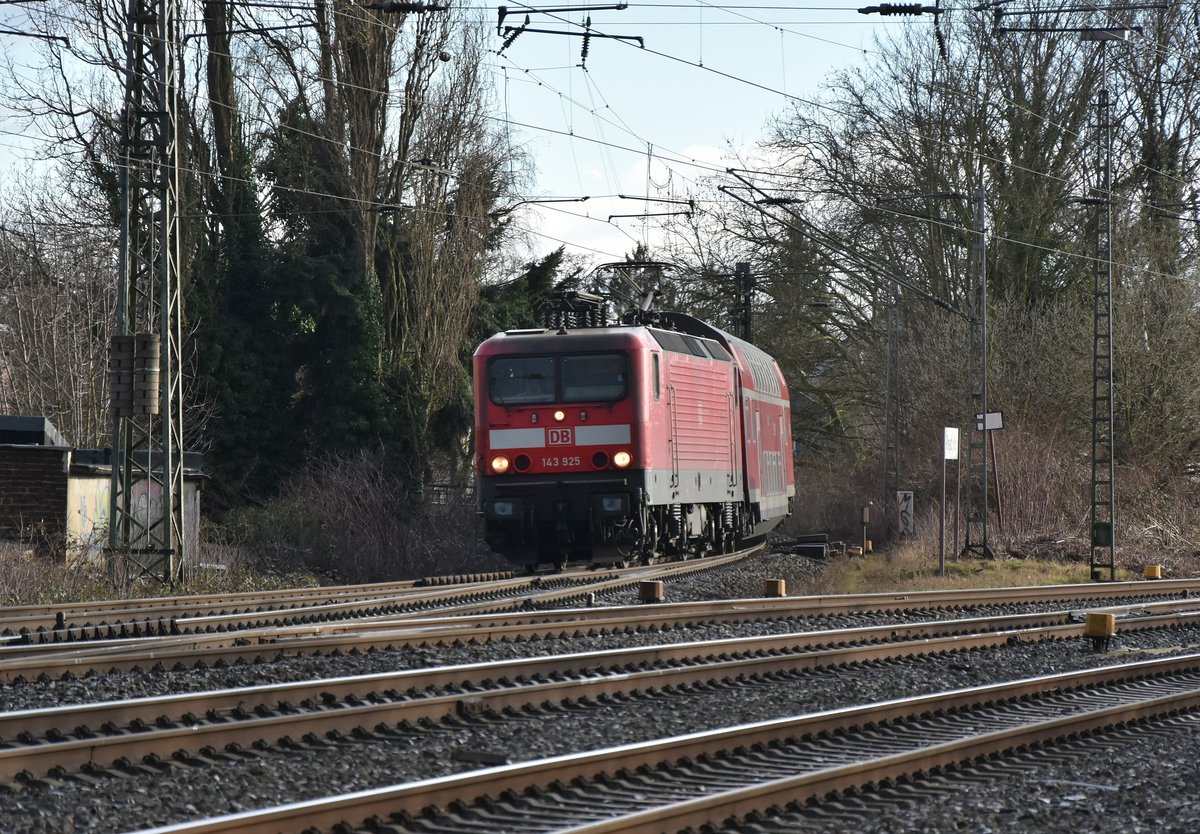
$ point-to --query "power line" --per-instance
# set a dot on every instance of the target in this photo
(692, 162)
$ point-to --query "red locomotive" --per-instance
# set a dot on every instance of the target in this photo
(606, 444)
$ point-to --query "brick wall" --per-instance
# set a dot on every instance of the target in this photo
(33, 490)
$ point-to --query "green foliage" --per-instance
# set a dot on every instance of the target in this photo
(242, 340)
(509, 305)
(332, 310)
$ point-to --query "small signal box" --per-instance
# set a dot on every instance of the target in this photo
(652, 590)
(1100, 628)
(774, 587)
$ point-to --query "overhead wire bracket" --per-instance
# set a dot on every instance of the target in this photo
(587, 34)
(504, 12)
(611, 217)
(511, 33)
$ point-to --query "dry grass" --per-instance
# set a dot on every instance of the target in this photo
(30, 577)
(914, 566)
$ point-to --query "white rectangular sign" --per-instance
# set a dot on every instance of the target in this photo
(994, 421)
(904, 503)
(951, 444)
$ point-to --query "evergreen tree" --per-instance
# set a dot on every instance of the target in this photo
(510, 304)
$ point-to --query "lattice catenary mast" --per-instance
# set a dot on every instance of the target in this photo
(146, 500)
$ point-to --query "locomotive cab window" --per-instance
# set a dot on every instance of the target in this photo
(521, 380)
(538, 380)
(594, 377)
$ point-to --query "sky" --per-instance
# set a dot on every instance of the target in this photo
(634, 119)
(652, 120)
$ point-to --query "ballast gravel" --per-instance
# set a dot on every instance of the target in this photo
(1139, 782)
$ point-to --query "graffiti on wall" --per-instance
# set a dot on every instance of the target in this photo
(88, 503)
(904, 502)
(87, 518)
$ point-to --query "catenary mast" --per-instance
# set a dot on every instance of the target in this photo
(146, 499)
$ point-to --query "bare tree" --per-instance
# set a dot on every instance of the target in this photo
(57, 303)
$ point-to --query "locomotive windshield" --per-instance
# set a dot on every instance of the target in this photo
(522, 380)
(533, 380)
(594, 377)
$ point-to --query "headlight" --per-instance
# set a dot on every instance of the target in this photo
(499, 464)
(622, 459)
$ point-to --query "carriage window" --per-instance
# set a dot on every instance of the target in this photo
(520, 380)
(657, 381)
(589, 378)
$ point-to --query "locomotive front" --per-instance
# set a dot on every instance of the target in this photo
(558, 451)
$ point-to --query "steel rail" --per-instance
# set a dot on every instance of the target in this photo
(832, 605)
(780, 607)
(581, 584)
(710, 812)
(202, 600)
(237, 630)
(175, 618)
(166, 619)
(90, 621)
(147, 709)
(59, 659)
(667, 570)
(600, 619)
(211, 608)
(412, 798)
(73, 613)
(709, 662)
(161, 607)
(336, 609)
(231, 647)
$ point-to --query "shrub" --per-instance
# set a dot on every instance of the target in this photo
(352, 519)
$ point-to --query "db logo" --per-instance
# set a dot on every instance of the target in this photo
(560, 437)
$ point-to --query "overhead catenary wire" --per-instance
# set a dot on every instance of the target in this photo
(843, 255)
(781, 94)
(777, 91)
(797, 97)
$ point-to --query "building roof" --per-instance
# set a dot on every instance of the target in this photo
(29, 431)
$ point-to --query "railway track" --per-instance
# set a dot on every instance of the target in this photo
(136, 619)
(74, 659)
(142, 737)
(710, 778)
(92, 737)
(490, 593)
